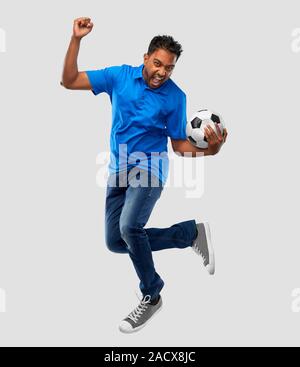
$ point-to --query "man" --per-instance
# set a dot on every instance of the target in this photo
(147, 108)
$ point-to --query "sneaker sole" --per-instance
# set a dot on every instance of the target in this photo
(141, 326)
(211, 267)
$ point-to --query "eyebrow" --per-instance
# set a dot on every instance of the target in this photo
(163, 64)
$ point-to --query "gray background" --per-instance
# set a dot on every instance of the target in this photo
(64, 288)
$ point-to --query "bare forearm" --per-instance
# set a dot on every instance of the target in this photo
(191, 150)
(70, 70)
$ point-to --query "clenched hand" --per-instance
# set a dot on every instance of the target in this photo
(82, 27)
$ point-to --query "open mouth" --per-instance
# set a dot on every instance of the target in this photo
(157, 81)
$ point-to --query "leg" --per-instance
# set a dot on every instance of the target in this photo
(115, 198)
(179, 235)
(137, 209)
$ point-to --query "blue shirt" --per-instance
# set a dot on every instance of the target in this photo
(142, 118)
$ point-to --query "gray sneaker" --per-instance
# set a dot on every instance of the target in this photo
(203, 247)
(140, 316)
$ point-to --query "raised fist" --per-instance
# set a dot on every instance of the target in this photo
(82, 27)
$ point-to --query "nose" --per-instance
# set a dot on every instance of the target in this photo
(162, 73)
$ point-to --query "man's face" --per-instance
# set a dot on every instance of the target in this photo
(158, 67)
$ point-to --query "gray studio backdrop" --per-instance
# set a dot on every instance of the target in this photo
(59, 284)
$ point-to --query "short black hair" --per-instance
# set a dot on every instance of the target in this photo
(167, 43)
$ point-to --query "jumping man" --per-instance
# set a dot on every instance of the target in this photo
(147, 108)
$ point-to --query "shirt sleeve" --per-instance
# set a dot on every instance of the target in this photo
(177, 120)
(103, 80)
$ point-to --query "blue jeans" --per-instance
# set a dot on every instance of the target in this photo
(127, 210)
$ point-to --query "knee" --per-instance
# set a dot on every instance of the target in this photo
(116, 245)
(128, 230)
(124, 230)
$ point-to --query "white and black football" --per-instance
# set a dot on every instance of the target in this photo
(195, 127)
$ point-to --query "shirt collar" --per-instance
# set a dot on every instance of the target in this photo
(138, 73)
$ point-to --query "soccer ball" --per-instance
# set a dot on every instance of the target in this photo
(195, 127)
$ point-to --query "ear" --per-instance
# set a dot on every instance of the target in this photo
(146, 57)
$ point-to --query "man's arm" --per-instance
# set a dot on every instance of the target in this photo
(215, 142)
(72, 78)
(184, 146)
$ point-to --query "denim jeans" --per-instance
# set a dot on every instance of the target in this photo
(127, 210)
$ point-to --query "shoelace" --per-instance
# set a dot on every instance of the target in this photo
(140, 309)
